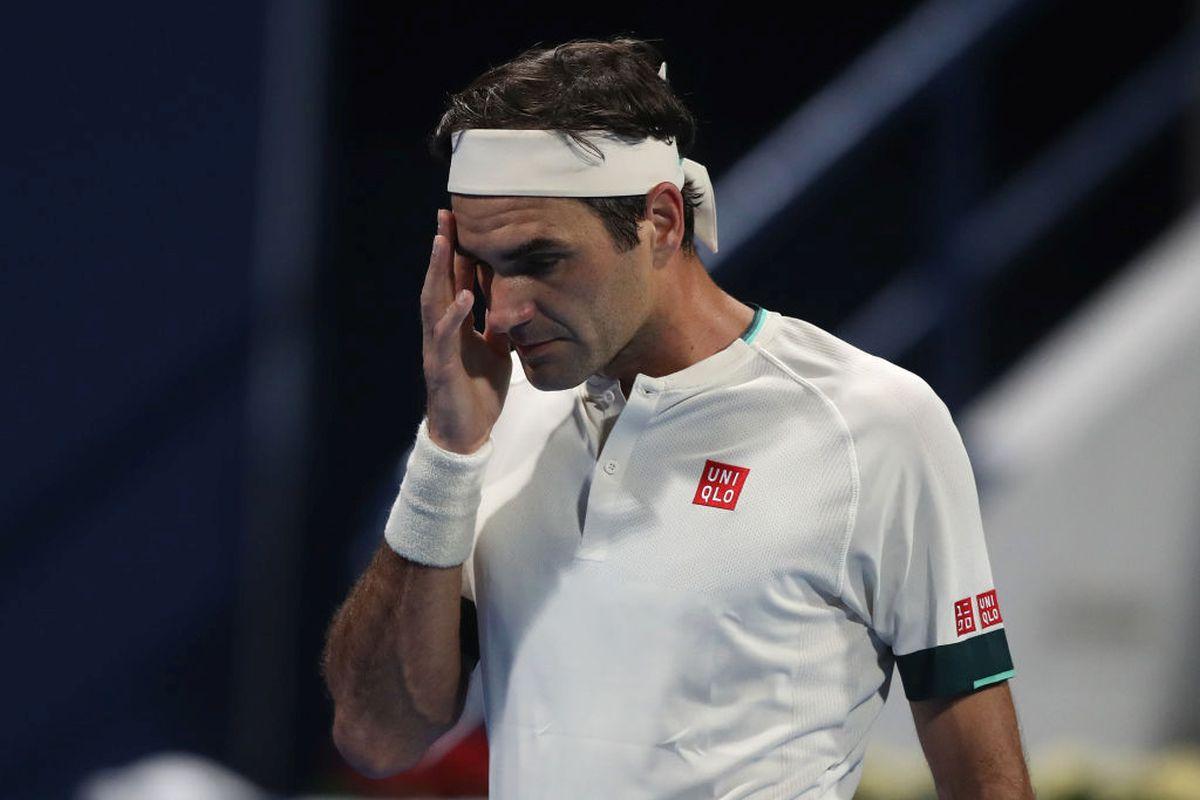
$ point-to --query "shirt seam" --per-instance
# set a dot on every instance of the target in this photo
(852, 517)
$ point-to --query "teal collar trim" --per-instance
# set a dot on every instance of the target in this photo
(755, 324)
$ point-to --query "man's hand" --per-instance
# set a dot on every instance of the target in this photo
(973, 745)
(466, 372)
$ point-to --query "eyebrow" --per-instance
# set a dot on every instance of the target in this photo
(541, 244)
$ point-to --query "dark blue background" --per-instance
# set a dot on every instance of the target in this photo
(128, 188)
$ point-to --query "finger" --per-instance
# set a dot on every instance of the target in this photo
(464, 274)
(464, 269)
(462, 265)
(447, 340)
(468, 323)
(431, 308)
(447, 255)
(440, 292)
(464, 278)
(484, 276)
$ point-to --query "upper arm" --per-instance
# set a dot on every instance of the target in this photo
(917, 568)
(973, 744)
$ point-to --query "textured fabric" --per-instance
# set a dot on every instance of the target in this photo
(433, 519)
(704, 603)
(549, 163)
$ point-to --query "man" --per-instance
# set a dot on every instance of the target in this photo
(691, 537)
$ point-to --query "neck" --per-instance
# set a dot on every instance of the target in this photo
(691, 321)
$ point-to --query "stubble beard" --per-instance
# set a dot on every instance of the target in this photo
(561, 372)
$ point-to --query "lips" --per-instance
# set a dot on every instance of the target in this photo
(526, 349)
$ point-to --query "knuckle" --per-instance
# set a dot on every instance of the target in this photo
(441, 327)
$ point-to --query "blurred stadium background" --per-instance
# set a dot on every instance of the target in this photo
(215, 221)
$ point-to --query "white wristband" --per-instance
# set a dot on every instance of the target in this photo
(433, 519)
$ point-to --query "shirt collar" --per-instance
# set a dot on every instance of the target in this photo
(705, 373)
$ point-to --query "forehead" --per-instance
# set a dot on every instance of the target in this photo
(490, 221)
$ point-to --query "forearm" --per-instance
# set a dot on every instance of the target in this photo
(392, 662)
(973, 745)
(998, 786)
(999, 775)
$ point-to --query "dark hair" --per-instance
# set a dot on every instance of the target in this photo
(584, 84)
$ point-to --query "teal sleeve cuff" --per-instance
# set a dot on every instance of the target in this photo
(951, 669)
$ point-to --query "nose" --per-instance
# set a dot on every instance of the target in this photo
(508, 301)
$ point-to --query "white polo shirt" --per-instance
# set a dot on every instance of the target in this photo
(699, 591)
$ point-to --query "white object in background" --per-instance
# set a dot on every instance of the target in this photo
(1087, 454)
(169, 776)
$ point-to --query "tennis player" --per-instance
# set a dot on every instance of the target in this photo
(685, 539)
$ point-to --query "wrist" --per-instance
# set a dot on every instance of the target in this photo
(433, 519)
(445, 445)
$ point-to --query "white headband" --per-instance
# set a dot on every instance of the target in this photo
(546, 163)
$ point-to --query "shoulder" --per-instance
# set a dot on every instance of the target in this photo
(885, 408)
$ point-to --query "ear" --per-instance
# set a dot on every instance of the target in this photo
(664, 212)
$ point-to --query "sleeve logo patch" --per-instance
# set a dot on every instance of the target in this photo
(964, 616)
(989, 609)
(720, 485)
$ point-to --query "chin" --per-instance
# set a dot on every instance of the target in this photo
(547, 382)
(547, 378)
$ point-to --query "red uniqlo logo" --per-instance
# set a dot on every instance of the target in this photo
(989, 609)
(720, 485)
(964, 616)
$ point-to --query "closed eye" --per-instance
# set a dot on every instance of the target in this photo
(538, 267)
(529, 267)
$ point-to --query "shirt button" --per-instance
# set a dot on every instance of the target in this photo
(610, 467)
(647, 390)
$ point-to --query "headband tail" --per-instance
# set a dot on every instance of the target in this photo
(706, 212)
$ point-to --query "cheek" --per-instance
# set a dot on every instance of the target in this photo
(611, 304)
(630, 291)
